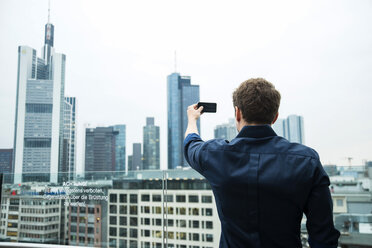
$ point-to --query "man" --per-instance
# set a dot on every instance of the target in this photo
(261, 182)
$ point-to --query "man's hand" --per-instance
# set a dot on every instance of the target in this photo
(193, 114)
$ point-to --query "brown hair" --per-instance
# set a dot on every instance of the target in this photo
(258, 100)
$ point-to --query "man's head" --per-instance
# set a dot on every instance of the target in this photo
(256, 102)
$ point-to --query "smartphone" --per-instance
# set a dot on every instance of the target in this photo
(208, 107)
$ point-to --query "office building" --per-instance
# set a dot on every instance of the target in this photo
(6, 161)
(69, 139)
(30, 218)
(291, 128)
(151, 145)
(120, 147)
(135, 160)
(180, 94)
(6, 165)
(226, 131)
(99, 151)
(140, 215)
(39, 112)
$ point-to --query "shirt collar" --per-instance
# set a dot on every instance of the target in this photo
(257, 131)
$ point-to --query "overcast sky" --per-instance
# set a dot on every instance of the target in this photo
(318, 54)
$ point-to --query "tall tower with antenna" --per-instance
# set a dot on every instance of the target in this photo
(39, 119)
(48, 49)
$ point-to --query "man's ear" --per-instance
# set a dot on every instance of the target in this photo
(238, 114)
(275, 118)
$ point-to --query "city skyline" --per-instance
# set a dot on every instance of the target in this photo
(310, 81)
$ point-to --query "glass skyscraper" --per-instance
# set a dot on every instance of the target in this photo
(69, 137)
(226, 131)
(180, 94)
(291, 128)
(120, 147)
(151, 145)
(39, 124)
(99, 150)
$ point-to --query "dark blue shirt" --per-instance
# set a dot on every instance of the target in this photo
(263, 184)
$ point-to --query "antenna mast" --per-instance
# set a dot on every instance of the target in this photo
(48, 11)
(175, 61)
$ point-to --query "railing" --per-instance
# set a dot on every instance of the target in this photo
(173, 208)
(140, 209)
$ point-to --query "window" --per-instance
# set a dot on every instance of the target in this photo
(123, 198)
(133, 210)
(193, 198)
(113, 220)
(113, 231)
(133, 244)
(182, 223)
(147, 221)
(181, 235)
(133, 233)
(182, 211)
(156, 198)
(123, 232)
(169, 198)
(123, 209)
(38, 108)
(133, 198)
(123, 243)
(339, 202)
(209, 237)
(123, 221)
(113, 209)
(180, 198)
(158, 222)
(145, 198)
(206, 199)
(208, 212)
(195, 224)
(133, 221)
(113, 198)
(209, 225)
(193, 211)
(195, 236)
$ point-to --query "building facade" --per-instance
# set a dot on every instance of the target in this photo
(69, 136)
(180, 94)
(226, 131)
(38, 138)
(120, 147)
(135, 160)
(30, 219)
(140, 218)
(151, 145)
(6, 164)
(291, 128)
(99, 150)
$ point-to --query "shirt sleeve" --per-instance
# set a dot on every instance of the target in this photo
(319, 212)
(192, 149)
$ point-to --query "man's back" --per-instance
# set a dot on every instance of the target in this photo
(262, 185)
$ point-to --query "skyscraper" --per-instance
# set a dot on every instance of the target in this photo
(69, 137)
(291, 128)
(99, 150)
(6, 164)
(180, 94)
(135, 160)
(295, 129)
(151, 145)
(120, 151)
(226, 131)
(38, 138)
